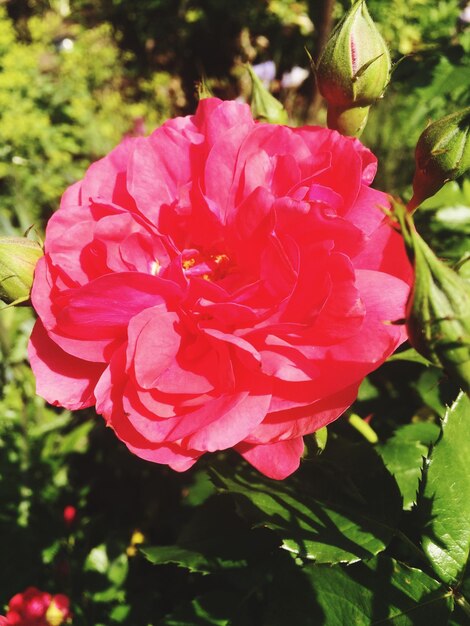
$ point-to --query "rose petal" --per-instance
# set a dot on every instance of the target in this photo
(275, 460)
(232, 426)
(61, 379)
(153, 343)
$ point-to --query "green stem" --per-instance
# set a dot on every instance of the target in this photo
(464, 604)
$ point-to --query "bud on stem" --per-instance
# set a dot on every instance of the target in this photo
(18, 258)
(353, 70)
(442, 154)
(438, 309)
(346, 120)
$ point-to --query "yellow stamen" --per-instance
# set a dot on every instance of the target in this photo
(220, 258)
(189, 263)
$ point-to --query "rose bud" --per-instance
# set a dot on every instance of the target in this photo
(69, 514)
(438, 309)
(442, 154)
(18, 258)
(353, 70)
(264, 106)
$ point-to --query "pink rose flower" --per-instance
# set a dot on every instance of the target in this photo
(33, 607)
(221, 283)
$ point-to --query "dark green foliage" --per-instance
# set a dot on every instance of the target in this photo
(341, 506)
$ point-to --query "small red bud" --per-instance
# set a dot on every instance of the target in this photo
(70, 514)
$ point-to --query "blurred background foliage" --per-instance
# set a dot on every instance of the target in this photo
(75, 77)
(78, 75)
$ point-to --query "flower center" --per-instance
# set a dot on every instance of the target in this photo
(209, 266)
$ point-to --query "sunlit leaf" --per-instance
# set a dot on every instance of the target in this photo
(382, 591)
(445, 499)
(404, 454)
(97, 560)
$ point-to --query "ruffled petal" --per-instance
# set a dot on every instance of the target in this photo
(63, 380)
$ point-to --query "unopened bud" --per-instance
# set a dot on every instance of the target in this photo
(18, 258)
(264, 106)
(442, 154)
(353, 70)
(438, 309)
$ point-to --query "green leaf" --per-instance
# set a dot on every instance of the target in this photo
(215, 538)
(367, 391)
(109, 595)
(321, 438)
(50, 421)
(445, 497)
(341, 507)
(118, 570)
(403, 454)
(409, 355)
(264, 106)
(381, 591)
(431, 388)
(212, 609)
(200, 489)
(97, 560)
(120, 613)
(49, 554)
(77, 440)
(192, 560)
